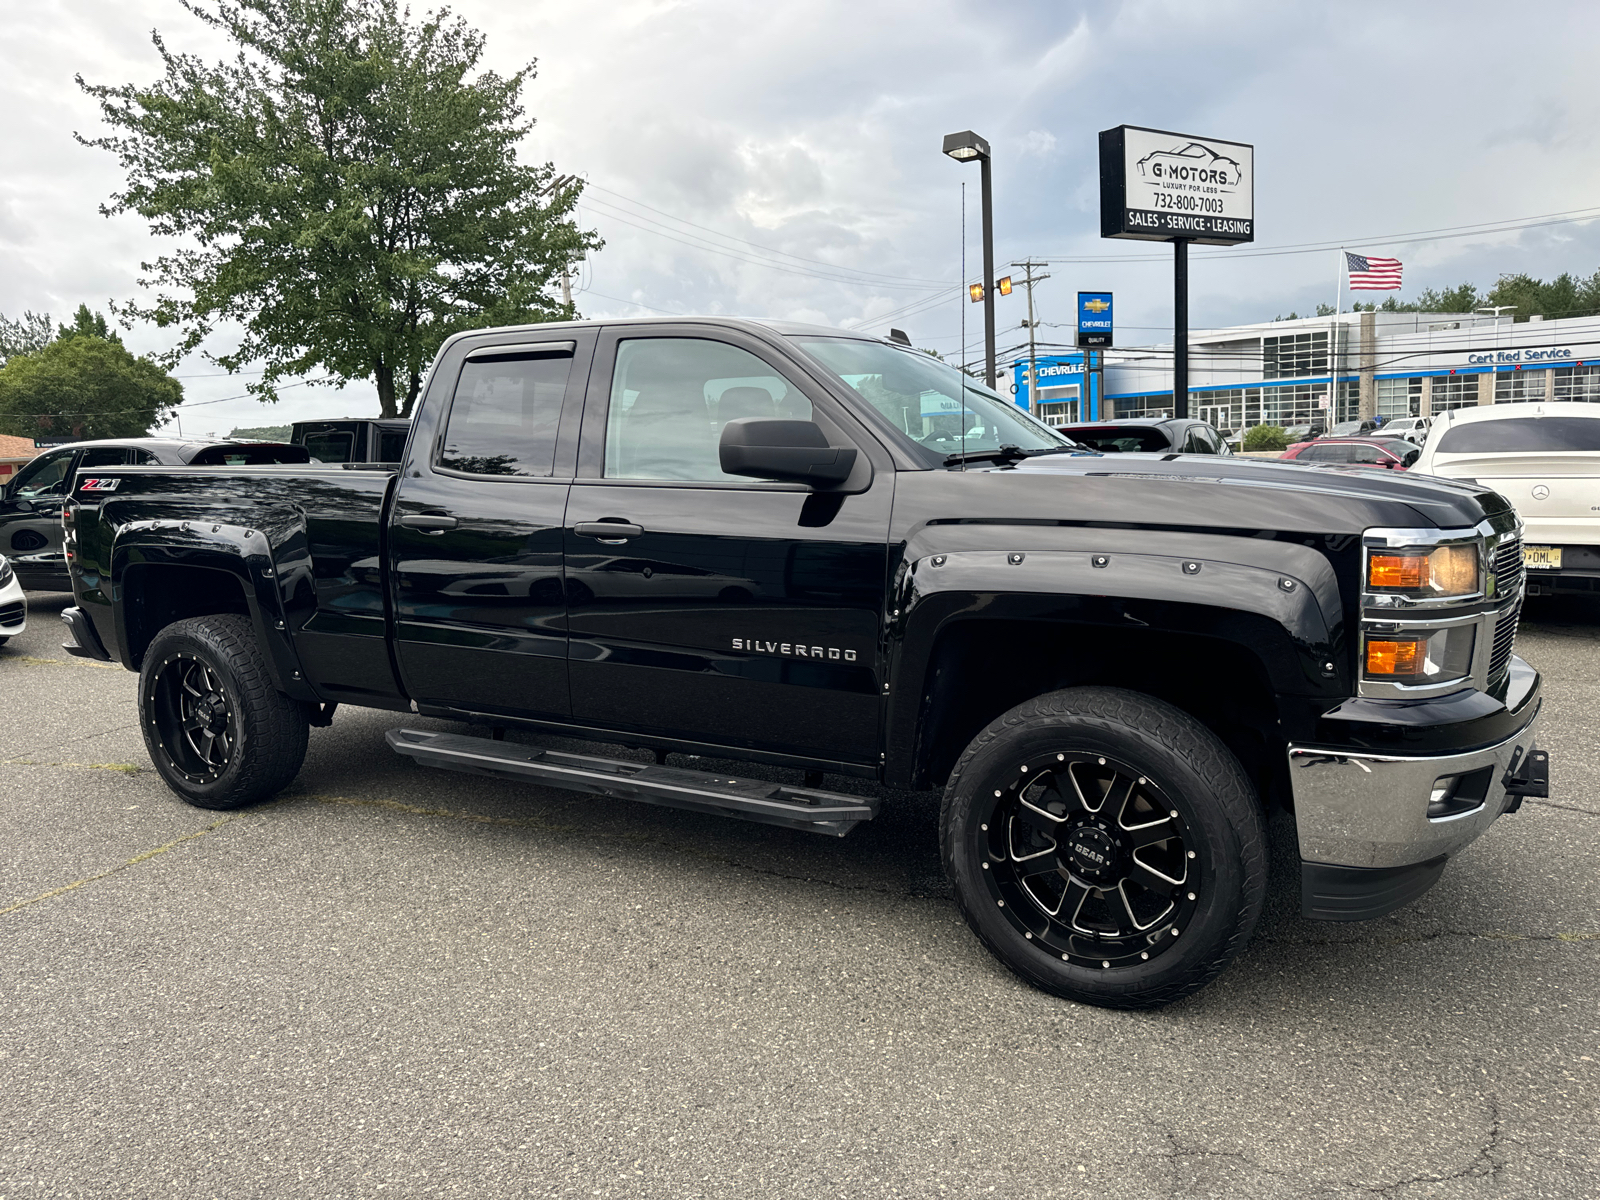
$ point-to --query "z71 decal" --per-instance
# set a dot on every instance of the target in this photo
(98, 485)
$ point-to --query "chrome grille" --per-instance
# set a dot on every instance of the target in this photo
(1508, 575)
(1507, 567)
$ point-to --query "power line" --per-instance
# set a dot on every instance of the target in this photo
(758, 245)
(1443, 233)
(702, 244)
(187, 404)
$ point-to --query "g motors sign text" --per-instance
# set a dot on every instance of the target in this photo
(1157, 186)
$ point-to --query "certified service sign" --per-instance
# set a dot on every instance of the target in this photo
(1159, 187)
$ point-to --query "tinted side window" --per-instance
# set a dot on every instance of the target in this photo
(505, 413)
(337, 446)
(1366, 454)
(44, 476)
(391, 445)
(670, 398)
(143, 458)
(103, 456)
(1326, 453)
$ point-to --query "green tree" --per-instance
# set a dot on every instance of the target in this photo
(84, 386)
(27, 333)
(1563, 296)
(1460, 299)
(347, 188)
(88, 324)
(262, 433)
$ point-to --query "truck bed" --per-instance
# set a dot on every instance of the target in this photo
(303, 545)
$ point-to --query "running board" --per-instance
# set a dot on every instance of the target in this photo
(749, 799)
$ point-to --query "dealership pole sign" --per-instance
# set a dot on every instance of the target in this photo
(1094, 320)
(1157, 186)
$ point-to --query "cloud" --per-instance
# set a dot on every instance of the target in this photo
(783, 160)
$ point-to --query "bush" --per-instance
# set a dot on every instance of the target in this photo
(1266, 437)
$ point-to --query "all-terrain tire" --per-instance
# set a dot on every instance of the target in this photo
(254, 739)
(999, 814)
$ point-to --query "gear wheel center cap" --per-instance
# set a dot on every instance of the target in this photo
(1093, 853)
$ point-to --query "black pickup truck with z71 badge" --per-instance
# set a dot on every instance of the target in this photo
(819, 551)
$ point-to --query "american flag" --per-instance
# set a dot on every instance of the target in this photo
(1372, 274)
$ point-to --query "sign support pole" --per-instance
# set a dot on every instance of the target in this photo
(1180, 327)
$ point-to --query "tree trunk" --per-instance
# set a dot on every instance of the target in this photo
(383, 376)
(411, 394)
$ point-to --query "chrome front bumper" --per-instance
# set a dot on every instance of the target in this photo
(1369, 810)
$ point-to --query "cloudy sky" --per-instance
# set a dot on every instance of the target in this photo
(782, 159)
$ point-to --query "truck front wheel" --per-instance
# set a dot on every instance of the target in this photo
(217, 730)
(1105, 846)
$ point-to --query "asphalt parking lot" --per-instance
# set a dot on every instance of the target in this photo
(396, 981)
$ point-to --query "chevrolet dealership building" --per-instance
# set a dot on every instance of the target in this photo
(1320, 368)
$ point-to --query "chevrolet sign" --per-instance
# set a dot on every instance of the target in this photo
(1094, 320)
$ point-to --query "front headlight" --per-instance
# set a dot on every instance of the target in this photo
(1435, 574)
(1418, 657)
(5, 570)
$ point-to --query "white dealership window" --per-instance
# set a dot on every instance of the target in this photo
(1454, 391)
(1577, 383)
(1400, 397)
(1512, 387)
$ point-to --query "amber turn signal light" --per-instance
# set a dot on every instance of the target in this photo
(1393, 658)
(1446, 571)
(1409, 571)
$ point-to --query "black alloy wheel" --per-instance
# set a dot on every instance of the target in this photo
(1105, 846)
(193, 718)
(1089, 859)
(217, 730)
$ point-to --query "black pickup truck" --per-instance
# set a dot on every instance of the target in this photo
(818, 551)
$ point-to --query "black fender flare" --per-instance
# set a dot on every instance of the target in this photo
(1277, 601)
(244, 553)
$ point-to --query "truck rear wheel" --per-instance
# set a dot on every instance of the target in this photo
(217, 730)
(1105, 846)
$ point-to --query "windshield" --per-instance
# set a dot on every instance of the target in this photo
(924, 398)
(1522, 435)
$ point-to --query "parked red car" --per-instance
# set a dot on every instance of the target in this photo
(1394, 453)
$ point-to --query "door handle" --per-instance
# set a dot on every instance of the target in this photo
(610, 532)
(431, 523)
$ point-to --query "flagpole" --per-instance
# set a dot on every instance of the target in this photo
(1333, 343)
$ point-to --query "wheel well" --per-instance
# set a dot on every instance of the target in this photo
(979, 669)
(154, 595)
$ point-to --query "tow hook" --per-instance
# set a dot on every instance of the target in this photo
(1527, 777)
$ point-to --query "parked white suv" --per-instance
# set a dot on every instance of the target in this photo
(1545, 459)
(13, 604)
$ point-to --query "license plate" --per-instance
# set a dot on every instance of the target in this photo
(1541, 558)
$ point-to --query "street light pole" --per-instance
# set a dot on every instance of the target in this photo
(988, 278)
(964, 147)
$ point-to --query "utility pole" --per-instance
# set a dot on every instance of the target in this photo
(1028, 281)
(554, 191)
